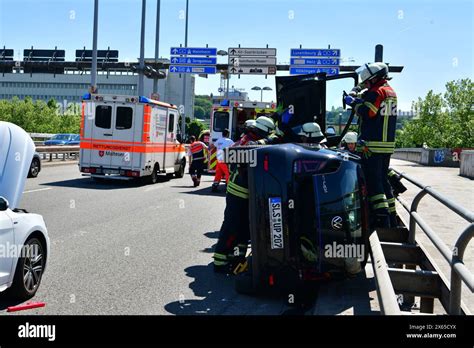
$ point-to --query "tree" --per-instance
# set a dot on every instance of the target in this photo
(199, 112)
(194, 128)
(442, 120)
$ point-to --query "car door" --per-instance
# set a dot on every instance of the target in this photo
(123, 135)
(102, 134)
(172, 143)
(6, 245)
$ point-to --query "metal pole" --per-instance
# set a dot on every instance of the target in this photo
(227, 89)
(378, 53)
(183, 116)
(141, 66)
(93, 87)
(157, 43)
(261, 95)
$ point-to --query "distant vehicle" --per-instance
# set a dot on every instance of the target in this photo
(22, 232)
(63, 139)
(130, 138)
(35, 166)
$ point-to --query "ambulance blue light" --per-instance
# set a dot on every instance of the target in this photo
(143, 99)
(225, 102)
(86, 96)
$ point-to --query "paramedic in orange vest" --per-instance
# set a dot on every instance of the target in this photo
(221, 166)
(197, 154)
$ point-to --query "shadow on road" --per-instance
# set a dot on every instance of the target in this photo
(102, 184)
(217, 291)
(6, 301)
(205, 191)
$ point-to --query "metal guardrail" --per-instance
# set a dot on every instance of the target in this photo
(66, 151)
(459, 272)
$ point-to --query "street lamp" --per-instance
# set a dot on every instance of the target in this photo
(256, 88)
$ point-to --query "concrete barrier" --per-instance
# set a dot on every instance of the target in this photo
(467, 164)
(429, 157)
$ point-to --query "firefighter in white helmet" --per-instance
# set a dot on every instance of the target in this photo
(377, 111)
(309, 133)
(349, 142)
(234, 234)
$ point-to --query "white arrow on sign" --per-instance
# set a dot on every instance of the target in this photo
(239, 51)
(251, 61)
(252, 70)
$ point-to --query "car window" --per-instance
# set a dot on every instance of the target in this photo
(103, 116)
(124, 117)
(221, 121)
(171, 124)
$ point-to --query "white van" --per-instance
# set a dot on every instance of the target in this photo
(124, 137)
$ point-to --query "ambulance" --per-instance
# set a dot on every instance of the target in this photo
(232, 114)
(127, 137)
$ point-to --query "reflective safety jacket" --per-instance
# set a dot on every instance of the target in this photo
(197, 150)
(378, 117)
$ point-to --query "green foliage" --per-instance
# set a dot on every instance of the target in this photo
(202, 107)
(194, 128)
(39, 117)
(442, 120)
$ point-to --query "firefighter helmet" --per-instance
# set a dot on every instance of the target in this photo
(264, 124)
(350, 137)
(370, 71)
(309, 130)
(249, 123)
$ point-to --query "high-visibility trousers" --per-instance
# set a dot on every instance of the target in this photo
(375, 169)
(221, 171)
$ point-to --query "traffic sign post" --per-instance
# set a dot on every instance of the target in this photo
(193, 51)
(192, 69)
(313, 70)
(183, 60)
(193, 60)
(314, 61)
(252, 61)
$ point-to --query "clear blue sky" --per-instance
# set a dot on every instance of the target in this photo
(433, 39)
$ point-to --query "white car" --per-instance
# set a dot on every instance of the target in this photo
(24, 241)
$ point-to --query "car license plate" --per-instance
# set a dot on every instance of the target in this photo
(276, 222)
(110, 171)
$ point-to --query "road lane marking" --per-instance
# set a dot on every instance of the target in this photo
(37, 190)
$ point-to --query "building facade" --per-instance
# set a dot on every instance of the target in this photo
(72, 85)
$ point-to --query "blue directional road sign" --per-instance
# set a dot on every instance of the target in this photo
(313, 70)
(315, 61)
(193, 60)
(188, 69)
(193, 51)
(301, 52)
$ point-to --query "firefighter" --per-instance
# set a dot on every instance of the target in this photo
(221, 166)
(377, 111)
(197, 155)
(231, 248)
(310, 133)
(349, 142)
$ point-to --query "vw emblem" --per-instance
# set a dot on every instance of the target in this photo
(336, 223)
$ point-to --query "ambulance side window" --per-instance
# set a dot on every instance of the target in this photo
(124, 117)
(103, 116)
(171, 124)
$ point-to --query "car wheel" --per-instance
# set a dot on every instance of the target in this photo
(153, 178)
(29, 270)
(34, 168)
(180, 172)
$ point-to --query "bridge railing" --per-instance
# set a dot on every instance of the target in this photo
(58, 152)
(455, 257)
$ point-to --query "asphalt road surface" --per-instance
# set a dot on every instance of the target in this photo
(121, 248)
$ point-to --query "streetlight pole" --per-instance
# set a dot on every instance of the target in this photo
(157, 43)
(93, 87)
(183, 116)
(141, 77)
